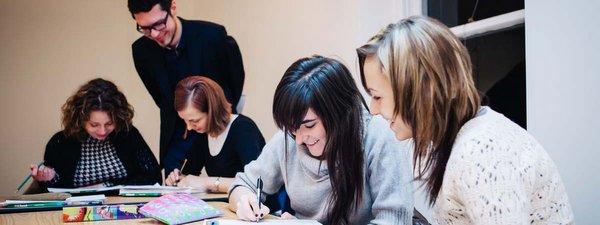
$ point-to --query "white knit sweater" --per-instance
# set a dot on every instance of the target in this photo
(499, 174)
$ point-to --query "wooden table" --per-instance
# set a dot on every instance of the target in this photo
(55, 217)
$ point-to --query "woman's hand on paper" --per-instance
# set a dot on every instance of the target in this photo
(196, 182)
(42, 173)
(174, 178)
(248, 209)
(288, 216)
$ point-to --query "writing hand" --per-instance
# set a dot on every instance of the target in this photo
(247, 208)
(42, 173)
(174, 178)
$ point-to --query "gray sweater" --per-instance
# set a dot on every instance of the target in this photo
(387, 197)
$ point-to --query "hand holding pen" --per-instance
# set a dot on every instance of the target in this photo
(248, 206)
(41, 172)
(175, 176)
(259, 186)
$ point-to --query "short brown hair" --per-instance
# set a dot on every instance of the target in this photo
(96, 95)
(207, 96)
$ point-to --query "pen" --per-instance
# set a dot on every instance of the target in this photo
(182, 166)
(39, 204)
(259, 186)
(27, 178)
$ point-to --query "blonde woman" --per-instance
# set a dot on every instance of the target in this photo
(478, 166)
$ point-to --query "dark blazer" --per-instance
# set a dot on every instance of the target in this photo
(63, 154)
(211, 53)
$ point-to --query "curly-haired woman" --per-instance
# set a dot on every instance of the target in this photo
(98, 146)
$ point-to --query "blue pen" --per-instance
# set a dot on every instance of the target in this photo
(27, 178)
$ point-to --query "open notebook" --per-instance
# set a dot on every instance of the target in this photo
(129, 190)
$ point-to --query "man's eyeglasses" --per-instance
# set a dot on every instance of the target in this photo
(158, 26)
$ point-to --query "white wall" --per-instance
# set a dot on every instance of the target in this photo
(49, 48)
(563, 74)
(273, 34)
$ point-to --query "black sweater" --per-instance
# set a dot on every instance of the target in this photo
(63, 153)
(243, 144)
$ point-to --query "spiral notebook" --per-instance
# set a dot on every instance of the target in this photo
(179, 208)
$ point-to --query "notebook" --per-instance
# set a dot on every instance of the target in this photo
(102, 212)
(179, 208)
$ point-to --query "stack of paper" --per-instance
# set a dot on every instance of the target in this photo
(80, 200)
(155, 190)
(83, 190)
(131, 190)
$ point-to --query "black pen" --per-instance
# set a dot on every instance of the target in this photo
(259, 186)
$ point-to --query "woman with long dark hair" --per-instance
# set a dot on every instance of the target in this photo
(339, 164)
(478, 167)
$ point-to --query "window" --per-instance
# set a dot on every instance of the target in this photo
(493, 31)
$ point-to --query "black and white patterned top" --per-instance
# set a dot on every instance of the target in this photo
(98, 164)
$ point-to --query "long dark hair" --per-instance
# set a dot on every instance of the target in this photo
(326, 86)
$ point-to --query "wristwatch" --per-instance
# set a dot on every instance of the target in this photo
(216, 183)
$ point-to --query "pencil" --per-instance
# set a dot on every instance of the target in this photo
(35, 204)
(27, 178)
(182, 166)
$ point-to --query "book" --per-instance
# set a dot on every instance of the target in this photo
(179, 208)
(102, 212)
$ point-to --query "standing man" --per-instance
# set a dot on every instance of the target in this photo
(171, 49)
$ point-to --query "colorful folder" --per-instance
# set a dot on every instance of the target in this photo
(179, 208)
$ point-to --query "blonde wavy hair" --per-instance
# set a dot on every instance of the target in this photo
(432, 83)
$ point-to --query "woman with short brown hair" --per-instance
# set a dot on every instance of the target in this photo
(231, 140)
